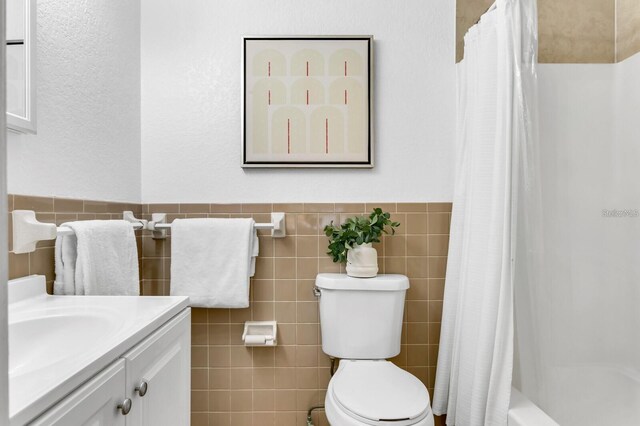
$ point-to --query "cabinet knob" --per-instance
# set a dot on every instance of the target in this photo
(142, 388)
(125, 406)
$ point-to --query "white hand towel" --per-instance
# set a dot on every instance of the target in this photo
(212, 260)
(66, 255)
(100, 259)
(255, 251)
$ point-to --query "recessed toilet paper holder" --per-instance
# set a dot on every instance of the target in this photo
(260, 333)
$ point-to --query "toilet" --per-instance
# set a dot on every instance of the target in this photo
(361, 324)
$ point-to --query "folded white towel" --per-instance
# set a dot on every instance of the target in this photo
(65, 257)
(255, 251)
(101, 258)
(212, 260)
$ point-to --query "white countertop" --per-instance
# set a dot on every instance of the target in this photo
(56, 343)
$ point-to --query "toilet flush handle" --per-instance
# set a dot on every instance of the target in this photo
(316, 291)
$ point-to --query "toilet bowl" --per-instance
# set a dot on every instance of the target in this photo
(364, 392)
(361, 324)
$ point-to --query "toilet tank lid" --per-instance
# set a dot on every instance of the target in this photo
(384, 282)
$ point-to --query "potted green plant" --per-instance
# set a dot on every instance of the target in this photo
(351, 242)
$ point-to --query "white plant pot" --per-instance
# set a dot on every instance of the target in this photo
(362, 261)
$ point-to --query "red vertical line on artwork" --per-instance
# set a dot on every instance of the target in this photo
(288, 136)
(269, 97)
(307, 68)
(269, 69)
(345, 96)
(326, 135)
(345, 68)
(307, 97)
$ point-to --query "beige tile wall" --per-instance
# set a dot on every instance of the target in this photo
(57, 210)
(570, 31)
(235, 385)
(467, 14)
(628, 28)
(576, 31)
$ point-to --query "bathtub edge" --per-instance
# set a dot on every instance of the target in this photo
(523, 412)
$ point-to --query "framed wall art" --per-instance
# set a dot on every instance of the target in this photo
(307, 101)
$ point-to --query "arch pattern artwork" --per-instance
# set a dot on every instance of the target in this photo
(307, 102)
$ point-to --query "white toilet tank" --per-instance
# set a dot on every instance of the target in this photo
(361, 318)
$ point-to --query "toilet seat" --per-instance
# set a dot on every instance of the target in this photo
(376, 392)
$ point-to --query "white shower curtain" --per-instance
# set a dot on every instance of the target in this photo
(496, 100)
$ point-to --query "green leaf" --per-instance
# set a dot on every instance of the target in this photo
(357, 230)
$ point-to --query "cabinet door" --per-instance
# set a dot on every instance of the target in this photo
(94, 403)
(21, 65)
(163, 363)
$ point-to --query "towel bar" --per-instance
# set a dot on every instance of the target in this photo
(27, 230)
(277, 225)
(65, 230)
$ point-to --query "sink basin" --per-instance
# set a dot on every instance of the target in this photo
(56, 343)
(38, 340)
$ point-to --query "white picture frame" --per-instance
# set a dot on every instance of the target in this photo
(307, 101)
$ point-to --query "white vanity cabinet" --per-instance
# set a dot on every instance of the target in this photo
(158, 374)
(94, 403)
(147, 386)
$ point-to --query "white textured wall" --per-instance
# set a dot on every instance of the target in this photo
(88, 141)
(586, 310)
(191, 66)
